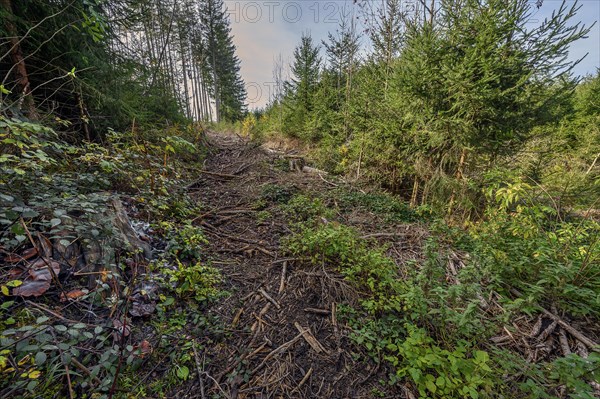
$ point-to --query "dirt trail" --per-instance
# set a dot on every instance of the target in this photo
(282, 338)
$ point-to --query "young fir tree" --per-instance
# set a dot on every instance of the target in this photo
(300, 90)
(227, 85)
(305, 69)
(472, 84)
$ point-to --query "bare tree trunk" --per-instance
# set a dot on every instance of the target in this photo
(18, 61)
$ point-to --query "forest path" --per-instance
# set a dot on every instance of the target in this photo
(282, 338)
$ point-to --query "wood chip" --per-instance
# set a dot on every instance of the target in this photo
(324, 312)
(308, 337)
(303, 381)
(269, 298)
(282, 280)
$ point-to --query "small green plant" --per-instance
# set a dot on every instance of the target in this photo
(184, 242)
(437, 372)
(391, 208)
(301, 208)
(525, 245)
(277, 194)
(196, 281)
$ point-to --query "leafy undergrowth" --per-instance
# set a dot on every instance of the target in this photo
(438, 321)
(445, 312)
(81, 303)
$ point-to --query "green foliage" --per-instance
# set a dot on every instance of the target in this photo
(391, 208)
(39, 350)
(183, 241)
(429, 327)
(302, 208)
(437, 372)
(525, 244)
(277, 193)
(195, 281)
(443, 100)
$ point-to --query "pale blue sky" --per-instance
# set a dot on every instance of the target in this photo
(264, 29)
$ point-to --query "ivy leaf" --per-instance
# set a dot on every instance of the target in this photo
(55, 222)
(40, 358)
(183, 372)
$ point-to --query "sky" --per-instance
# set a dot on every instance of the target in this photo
(264, 30)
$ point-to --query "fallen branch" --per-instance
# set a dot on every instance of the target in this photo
(45, 309)
(308, 169)
(308, 337)
(324, 312)
(282, 280)
(85, 370)
(206, 172)
(303, 380)
(245, 356)
(275, 352)
(199, 370)
(564, 342)
(580, 336)
(236, 319)
(269, 298)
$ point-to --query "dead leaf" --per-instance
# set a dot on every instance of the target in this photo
(40, 271)
(15, 273)
(120, 331)
(143, 349)
(39, 278)
(27, 254)
(32, 288)
(72, 295)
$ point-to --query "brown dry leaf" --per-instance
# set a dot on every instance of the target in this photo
(72, 295)
(32, 288)
(144, 348)
(39, 278)
(39, 270)
(27, 254)
(118, 324)
(15, 273)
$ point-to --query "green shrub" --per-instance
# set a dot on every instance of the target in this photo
(195, 281)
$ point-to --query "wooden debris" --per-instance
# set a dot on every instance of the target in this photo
(206, 172)
(549, 330)
(269, 298)
(282, 348)
(324, 312)
(308, 169)
(564, 341)
(537, 328)
(571, 330)
(283, 275)
(200, 370)
(308, 337)
(333, 315)
(236, 318)
(303, 380)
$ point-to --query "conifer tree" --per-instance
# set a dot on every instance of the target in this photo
(305, 68)
(227, 85)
